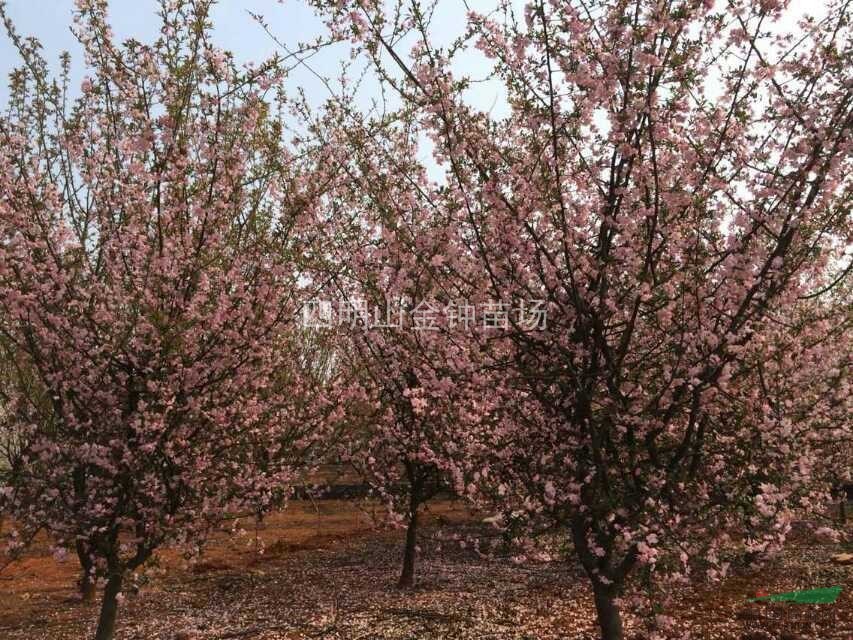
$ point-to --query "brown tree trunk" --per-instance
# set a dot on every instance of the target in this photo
(109, 607)
(416, 485)
(606, 609)
(87, 575)
(407, 577)
(609, 618)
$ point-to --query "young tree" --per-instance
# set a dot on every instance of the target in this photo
(671, 179)
(150, 235)
(385, 310)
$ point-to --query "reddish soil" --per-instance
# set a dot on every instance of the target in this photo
(324, 570)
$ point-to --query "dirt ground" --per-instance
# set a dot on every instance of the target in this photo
(325, 570)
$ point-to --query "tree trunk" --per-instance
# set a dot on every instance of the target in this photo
(416, 497)
(609, 619)
(407, 577)
(87, 575)
(109, 608)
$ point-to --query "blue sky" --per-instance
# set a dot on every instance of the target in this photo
(237, 31)
(234, 29)
(49, 21)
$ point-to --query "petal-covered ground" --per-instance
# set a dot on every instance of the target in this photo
(323, 570)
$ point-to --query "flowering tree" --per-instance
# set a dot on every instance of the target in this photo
(149, 283)
(672, 180)
(378, 263)
(807, 377)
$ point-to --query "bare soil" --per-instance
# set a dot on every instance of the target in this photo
(326, 570)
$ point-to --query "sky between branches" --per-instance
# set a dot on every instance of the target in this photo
(289, 23)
